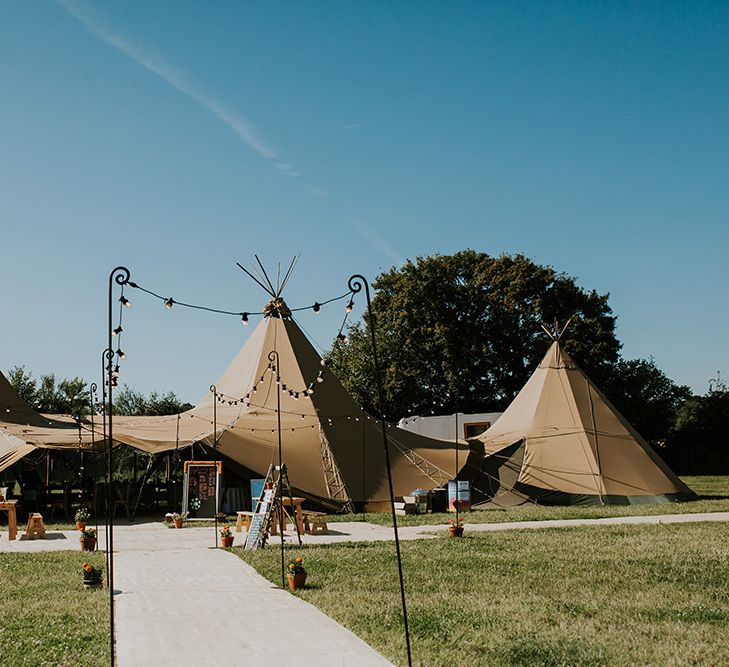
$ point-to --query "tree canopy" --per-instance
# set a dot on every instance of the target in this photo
(462, 332)
(50, 395)
(132, 402)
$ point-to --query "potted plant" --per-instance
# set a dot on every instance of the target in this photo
(82, 516)
(88, 539)
(297, 573)
(179, 519)
(455, 527)
(92, 576)
(226, 536)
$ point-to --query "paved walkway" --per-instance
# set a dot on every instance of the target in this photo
(185, 603)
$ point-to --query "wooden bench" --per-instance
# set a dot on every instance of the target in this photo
(243, 517)
(36, 528)
(315, 523)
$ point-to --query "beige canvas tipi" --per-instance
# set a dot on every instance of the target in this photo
(562, 442)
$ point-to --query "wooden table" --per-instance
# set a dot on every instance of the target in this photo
(9, 507)
(289, 502)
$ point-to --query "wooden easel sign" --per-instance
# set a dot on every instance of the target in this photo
(201, 488)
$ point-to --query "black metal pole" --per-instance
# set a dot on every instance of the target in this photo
(273, 357)
(214, 389)
(92, 391)
(105, 449)
(120, 275)
(356, 282)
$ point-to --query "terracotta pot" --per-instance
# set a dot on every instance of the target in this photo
(297, 581)
(455, 531)
(178, 523)
(88, 543)
(227, 541)
(80, 525)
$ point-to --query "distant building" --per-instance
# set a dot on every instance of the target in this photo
(443, 427)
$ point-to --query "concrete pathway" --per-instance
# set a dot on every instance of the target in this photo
(185, 603)
(141, 535)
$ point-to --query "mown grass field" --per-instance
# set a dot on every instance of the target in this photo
(713, 495)
(618, 595)
(46, 616)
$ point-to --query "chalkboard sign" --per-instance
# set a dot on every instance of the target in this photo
(201, 488)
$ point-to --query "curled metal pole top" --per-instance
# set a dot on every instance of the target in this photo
(120, 275)
(356, 282)
(214, 389)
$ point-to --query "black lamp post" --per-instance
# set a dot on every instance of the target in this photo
(356, 282)
(274, 359)
(119, 276)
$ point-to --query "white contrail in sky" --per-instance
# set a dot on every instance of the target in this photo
(376, 241)
(175, 77)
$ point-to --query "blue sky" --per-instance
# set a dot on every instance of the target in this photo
(178, 138)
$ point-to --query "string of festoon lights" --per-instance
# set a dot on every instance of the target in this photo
(245, 315)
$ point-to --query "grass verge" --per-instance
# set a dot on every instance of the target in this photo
(713, 491)
(624, 595)
(47, 618)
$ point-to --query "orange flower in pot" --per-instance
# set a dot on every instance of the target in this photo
(296, 573)
(455, 527)
(226, 537)
(88, 539)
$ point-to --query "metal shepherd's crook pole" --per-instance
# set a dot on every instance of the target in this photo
(274, 358)
(214, 389)
(92, 391)
(356, 282)
(120, 275)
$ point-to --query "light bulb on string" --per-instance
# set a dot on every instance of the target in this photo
(120, 354)
(302, 417)
(316, 307)
(244, 319)
(169, 303)
(320, 377)
(117, 331)
(324, 361)
(125, 302)
(349, 306)
(341, 337)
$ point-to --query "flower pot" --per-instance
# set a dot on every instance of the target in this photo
(455, 531)
(297, 581)
(227, 541)
(92, 583)
(88, 543)
(80, 525)
(178, 523)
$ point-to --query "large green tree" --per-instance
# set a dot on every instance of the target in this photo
(463, 332)
(646, 397)
(699, 443)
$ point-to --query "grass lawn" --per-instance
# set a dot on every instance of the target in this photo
(46, 616)
(622, 595)
(713, 492)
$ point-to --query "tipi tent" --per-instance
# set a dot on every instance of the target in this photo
(562, 442)
(333, 450)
